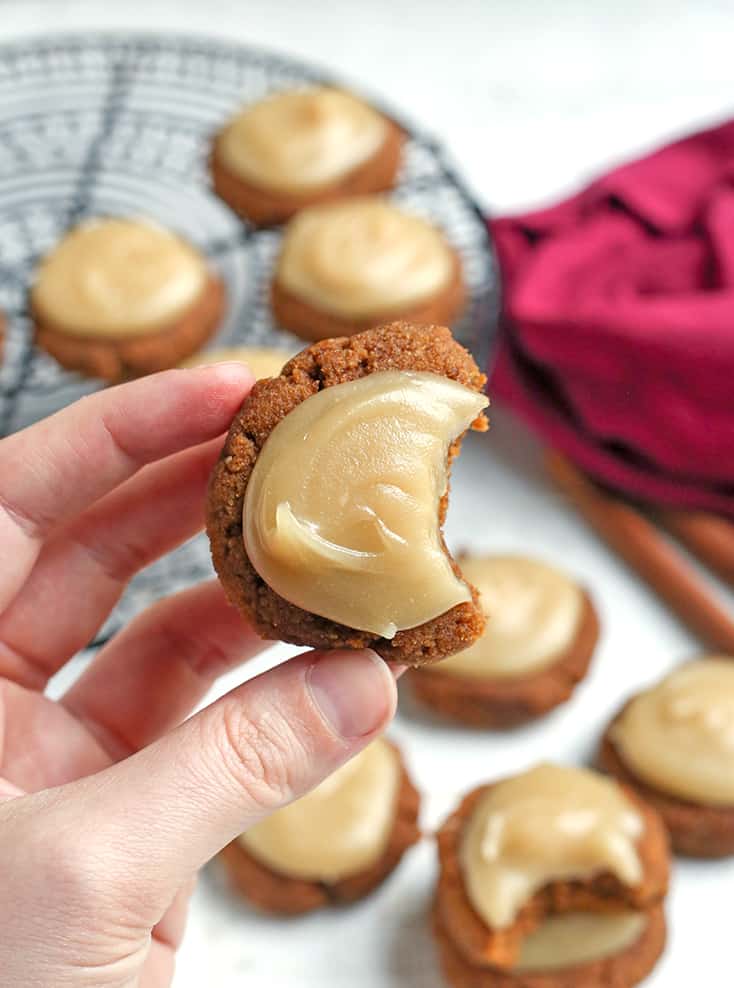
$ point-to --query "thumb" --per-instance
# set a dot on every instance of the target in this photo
(169, 808)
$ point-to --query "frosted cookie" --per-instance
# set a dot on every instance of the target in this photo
(575, 950)
(263, 361)
(537, 644)
(117, 298)
(325, 510)
(553, 878)
(301, 147)
(334, 845)
(674, 743)
(354, 264)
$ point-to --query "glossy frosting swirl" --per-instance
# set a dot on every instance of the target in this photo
(341, 509)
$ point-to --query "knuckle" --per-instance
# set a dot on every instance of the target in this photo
(262, 754)
(117, 561)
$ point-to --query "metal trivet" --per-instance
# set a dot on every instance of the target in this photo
(119, 124)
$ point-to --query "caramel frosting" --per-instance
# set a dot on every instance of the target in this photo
(551, 823)
(301, 139)
(679, 736)
(341, 510)
(117, 278)
(339, 829)
(363, 257)
(578, 938)
(533, 613)
(263, 361)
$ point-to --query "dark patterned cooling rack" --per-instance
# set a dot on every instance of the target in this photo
(119, 124)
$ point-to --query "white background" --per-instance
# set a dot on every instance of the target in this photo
(532, 98)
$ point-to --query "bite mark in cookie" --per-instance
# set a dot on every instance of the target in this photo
(418, 353)
(550, 842)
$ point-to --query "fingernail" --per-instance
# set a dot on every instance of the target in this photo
(9, 791)
(354, 691)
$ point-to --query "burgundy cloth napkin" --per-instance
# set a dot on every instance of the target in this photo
(617, 338)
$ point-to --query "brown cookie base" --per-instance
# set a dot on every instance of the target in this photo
(399, 346)
(481, 946)
(508, 702)
(696, 831)
(121, 358)
(310, 323)
(621, 970)
(266, 207)
(276, 893)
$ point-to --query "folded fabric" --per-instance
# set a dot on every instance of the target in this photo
(617, 336)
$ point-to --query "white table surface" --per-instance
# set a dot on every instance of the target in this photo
(532, 98)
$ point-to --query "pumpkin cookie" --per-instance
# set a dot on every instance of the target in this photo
(353, 264)
(540, 635)
(325, 509)
(301, 147)
(578, 950)
(528, 863)
(334, 845)
(118, 298)
(263, 361)
(674, 744)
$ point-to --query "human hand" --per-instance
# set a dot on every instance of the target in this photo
(108, 803)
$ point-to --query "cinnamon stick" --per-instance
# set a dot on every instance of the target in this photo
(638, 542)
(709, 537)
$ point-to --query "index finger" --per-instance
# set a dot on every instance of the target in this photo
(51, 471)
